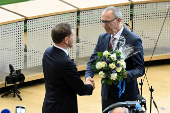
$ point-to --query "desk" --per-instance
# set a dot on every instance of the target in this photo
(147, 1)
(90, 14)
(41, 17)
(11, 41)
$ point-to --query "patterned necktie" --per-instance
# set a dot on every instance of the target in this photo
(112, 40)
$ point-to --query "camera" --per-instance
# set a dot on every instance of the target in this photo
(132, 106)
(12, 78)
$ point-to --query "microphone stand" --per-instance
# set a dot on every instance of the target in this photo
(151, 90)
(141, 83)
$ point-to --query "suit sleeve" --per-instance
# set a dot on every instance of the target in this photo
(137, 62)
(72, 77)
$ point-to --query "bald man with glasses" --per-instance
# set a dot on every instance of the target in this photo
(111, 22)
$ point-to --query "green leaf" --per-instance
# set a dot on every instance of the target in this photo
(109, 81)
(118, 78)
(99, 54)
(110, 50)
(123, 70)
(118, 54)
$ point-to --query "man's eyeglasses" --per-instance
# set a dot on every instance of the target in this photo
(106, 22)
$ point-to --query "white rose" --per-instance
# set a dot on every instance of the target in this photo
(113, 56)
(122, 63)
(98, 65)
(121, 60)
(113, 76)
(118, 69)
(112, 65)
(101, 74)
(106, 53)
(103, 64)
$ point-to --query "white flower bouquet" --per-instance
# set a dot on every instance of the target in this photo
(110, 66)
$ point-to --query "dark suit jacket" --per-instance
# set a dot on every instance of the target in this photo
(134, 67)
(62, 83)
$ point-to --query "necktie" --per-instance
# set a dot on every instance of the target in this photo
(112, 40)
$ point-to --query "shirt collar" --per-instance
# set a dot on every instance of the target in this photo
(62, 49)
(118, 34)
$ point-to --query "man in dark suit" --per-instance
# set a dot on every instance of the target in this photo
(111, 21)
(62, 80)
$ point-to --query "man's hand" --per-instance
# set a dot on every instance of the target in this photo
(125, 74)
(90, 81)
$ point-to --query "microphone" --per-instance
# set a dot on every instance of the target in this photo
(11, 68)
(142, 101)
(127, 24)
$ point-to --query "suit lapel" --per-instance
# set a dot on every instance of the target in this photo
(108, 41)
(125, 33)
(104, 41)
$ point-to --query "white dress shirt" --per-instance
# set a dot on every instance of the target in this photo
(117, 36)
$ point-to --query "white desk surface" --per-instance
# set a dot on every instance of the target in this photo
(147, 1)
(7, 17)
(39, 8)
(95, 4)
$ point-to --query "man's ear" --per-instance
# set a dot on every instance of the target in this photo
(119, 20)
(66, 40)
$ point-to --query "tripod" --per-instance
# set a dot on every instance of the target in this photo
(13, 90)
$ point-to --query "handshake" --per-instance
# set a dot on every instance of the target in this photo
(90, 81)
